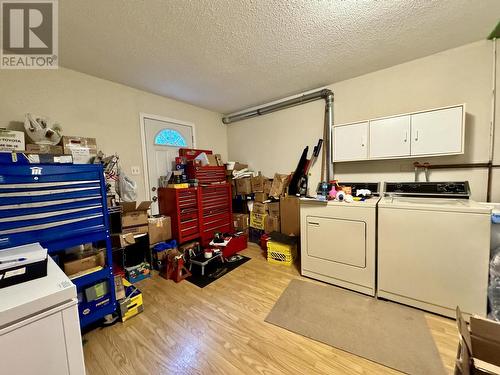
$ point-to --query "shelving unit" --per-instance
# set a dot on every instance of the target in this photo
(60, 206)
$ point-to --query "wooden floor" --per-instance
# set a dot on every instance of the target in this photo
(221, 330)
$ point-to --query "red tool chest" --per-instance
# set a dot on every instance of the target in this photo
(215, 210)
(207, 174)
(183, 208)
(197, 212)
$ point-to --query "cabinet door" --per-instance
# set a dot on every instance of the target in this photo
(350, 142)
(437, 132)
(390, 137)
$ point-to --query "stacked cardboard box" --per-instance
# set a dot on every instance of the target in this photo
(289, 212)
(135, 217)
(244, 186)
(279, 185)
(11, 140)
(273, 220)
(241, 222)
(479, 347)
(83, 149)
(44, 149)
(159, 229)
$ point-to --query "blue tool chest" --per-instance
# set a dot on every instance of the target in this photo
(60, 206)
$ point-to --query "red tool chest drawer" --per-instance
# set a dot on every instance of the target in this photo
(197, 212)
(207, 174)
(215, 210)
(183, 208)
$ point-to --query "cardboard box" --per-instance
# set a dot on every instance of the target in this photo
(258, 184)
(267, 186)
(134, 214)
(241, 221)
(44, 149)
(119, 288)
(11, 140)
(133, 305)
(257, 221)
(159, 229)
(79, 265)
(272, 224)
(274, 209)
(479, 346)
(260, 197)
(141, 229)
(122, 240)
(239, 166)
(279, 185)
(83, 149)
(289, 213)
(212, 160)
(218, 158)
(260, 208)
(243, 186)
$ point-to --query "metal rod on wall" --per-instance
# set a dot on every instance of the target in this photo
(324, 94)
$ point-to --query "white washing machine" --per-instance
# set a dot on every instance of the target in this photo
(433, 247)
(338, 241)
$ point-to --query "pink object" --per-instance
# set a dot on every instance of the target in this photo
(332, 193)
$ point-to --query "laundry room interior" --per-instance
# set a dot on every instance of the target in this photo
(249, 187)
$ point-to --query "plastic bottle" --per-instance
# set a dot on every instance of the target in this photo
(494, 287)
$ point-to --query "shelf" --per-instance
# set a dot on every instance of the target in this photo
(93, 277)
(62, 244)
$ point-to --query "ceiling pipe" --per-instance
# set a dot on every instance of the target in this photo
(324, 94)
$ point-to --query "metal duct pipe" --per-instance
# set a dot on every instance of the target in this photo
(328, 132)
(325, 94)
(306, 98)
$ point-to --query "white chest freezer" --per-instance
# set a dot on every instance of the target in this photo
(39, 326)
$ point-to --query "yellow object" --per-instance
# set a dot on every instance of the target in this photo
(280, 253)
(178, 186)
(133, 306)
(257, 221)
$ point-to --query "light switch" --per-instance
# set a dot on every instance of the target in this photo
(135, 170)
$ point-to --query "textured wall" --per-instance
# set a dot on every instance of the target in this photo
(462, 75)
(93, 107)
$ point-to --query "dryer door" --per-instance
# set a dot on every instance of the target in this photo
(337, 240)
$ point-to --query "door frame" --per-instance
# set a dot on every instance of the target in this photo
(142, 117)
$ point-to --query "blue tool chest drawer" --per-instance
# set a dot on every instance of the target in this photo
(60, 206)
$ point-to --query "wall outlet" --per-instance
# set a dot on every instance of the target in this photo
(135, 170)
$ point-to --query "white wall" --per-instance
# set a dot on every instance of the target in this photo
(88, 106)
(272, 143)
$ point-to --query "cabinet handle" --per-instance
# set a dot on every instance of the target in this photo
(406, 137)
(416, 137)
(313, 223)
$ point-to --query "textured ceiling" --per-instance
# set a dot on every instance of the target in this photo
(227, 55)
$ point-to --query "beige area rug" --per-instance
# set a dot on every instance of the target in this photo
(393, 335)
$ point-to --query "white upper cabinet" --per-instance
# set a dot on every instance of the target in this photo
(390, 137)
(437, 132)
(434, 132)
(350, 142)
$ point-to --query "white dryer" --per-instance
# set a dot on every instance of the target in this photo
(338, 241)
(433, 247)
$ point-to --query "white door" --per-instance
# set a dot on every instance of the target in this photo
(437, 132)
(390, 137)
(350, 142)
(163, 140)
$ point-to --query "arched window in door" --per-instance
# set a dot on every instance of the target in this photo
(170, 137)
